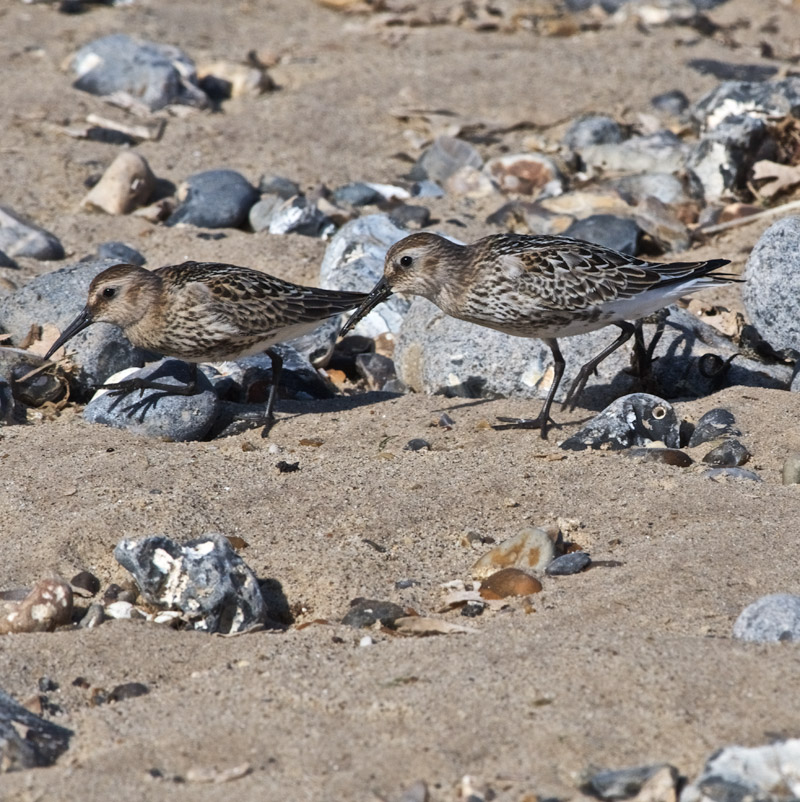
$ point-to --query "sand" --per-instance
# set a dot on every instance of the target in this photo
(629, 663)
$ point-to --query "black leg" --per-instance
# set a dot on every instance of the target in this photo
(586, 371)
(543, 419)
(277, 367)
(130, 385)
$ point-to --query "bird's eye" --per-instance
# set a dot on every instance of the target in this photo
(406, 261)
(109, 292)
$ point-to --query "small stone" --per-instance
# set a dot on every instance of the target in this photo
(47, 684)
(205, 579)
(593, 129)
(532, 549)
(156, 413)
(375, 369)
(729, 454)
(417, 444)
(470, 182)
(119, 610)
(667, 456)
(215, 199)
(357, 194)
(771, 618)
(262, 212)
(673, 102)
(446, 155)
(94, 616)
(21, 237)
(410, 216)
(86, 581)
(285, 188)
(626, 783)
(287, 467)
(526, 174)
(716, 423)
(791, 469)
(633, 420)
(473, 608)
(122, 253)
(572, 563)
(126, 184)
(659, 152)
(21, 371)
(404, 584)
(619, 233)
(299, 215)
(115, 593)
(221, 80)
(661, 222)
(426, 189)
(42, 609)
(128, 690)
(509, 582)
(366, 612)
(733, 473)
(665, 187)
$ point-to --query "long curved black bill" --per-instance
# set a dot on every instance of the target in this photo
(380, 292)
(83, 320)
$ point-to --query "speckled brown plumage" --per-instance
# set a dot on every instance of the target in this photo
(537, 286)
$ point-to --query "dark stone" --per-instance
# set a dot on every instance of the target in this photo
(28, 741)
(16, 365)
(403, 584)
(7, 261)
(624, 783)
(407, 215)
(357, 194)
(128, 690)
(376, 369)
(417, 444)
(287, 467)
(633, 420)
(572, 563)
(215, 199)
(299, 215)
(729, 454)
(123, 253)
(772, 98)
(86, 581)
(733, 473)
(714, 424)
(725, 71)
(594, 129)
(365, 612)
(95, 615)
(472, 609)
(19, 236)
(114, 593)
(47, 684)
(673, 102)
(285, 188)
(446, 155)
(667, 456)
(619, 233)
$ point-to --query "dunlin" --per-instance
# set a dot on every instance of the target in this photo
(537, 286)
(204, 312)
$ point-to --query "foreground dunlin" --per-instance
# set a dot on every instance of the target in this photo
(204, 312)
(537, 286)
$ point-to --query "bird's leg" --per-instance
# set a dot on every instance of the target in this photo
(542, 420)
(642, 357)
(586, 371)
(277, 367)
(130, 385)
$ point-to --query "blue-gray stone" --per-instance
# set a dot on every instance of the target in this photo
(158, 413)
(633, 420)
(733, 473)
(261, 212)
(624, 783)
(726, 71)
(11, 413)
(673, 102)
(771, 618)
(7, 261)
(714, 424)
(572, 563)
(205, 579)
(21, 237)
(357, 194)
(426, 189)
(729, 454)
(123, 253)
(154, 74)
(215, 199)
(57, 298)
(618, 233)
(299, 215)
(594, 129)
(271, 184)
(446, 155)
(663, 186)
(662, 151)
(366, 612)
(408, 215)
(771, 292)
(733, 98)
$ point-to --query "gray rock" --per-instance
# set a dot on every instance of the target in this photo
(354, 261)
(795, 385)
(205, 579)
(771, 292)
(426, 189)
(261, 212)
(153, 74)
(624, 783)
(376, 369)
(673, 102)
(285, 188)
(714, 424)
(572, 563)
(21, 237)
(317, 346)
(664, 186)
(771, 618)
(7, 261)
(409, 216)
(726, 71)
(366, 612)
(157, 413)
(417, 444)
(11, 413)
(215, 199)
(57, 298)
(28, 741)
(725, 154)
(16, 364)
(299, 215)
(733, 473)
(734, 98)
(633, 420)
(791, 469)
(446, 155)
(665, 456)
(729, 454)
(768, 773)
(659, 152)
(593, 129)
(619, 233)
(357, 194)
(122, 253)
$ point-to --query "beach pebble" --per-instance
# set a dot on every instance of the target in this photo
(94, 616)
(532, 549)
(205, 579)
(526, 174)
(439, 161)
(221, 80)
(771, 618)
(771, 292)
(658, 152)
(354, 261)
(593, 129)
(214, 199)
(19, 236)
(87, 582)
(619, 233)
(742, 773)
(7, 261)
(11, 413)
(728, 454)
(366, 612)
(261, 212)
(43, 608)
(427, 189)
(16, 364)
(626, 783)
(375, 369)
(126, 184)
(299, 215)
(509, 582)
(28, 741)
(153, 74)
(156, 413)
(673, 102)
(662, 223)
(791, 469)
(734, 98)
(409, 216)
(572, 563)
(317, 346)
(122, 253)
(733, 473)
(417, 444)
(640, 186)
(633, 420)
(470, 182)
(667, 456)
(357, 194)
(272, 184)
(121, 611)
(713, 425)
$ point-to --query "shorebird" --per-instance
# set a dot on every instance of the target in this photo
(537, 286)
(204, 312)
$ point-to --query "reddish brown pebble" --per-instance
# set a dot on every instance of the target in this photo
(509, 582)
(47, 606)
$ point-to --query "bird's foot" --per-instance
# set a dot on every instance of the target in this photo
(541, 422)
(143, 405)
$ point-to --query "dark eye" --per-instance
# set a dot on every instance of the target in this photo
(109, 292)
(406, 261)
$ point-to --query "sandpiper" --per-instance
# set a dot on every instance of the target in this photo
(204, 312)
(537, 286)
